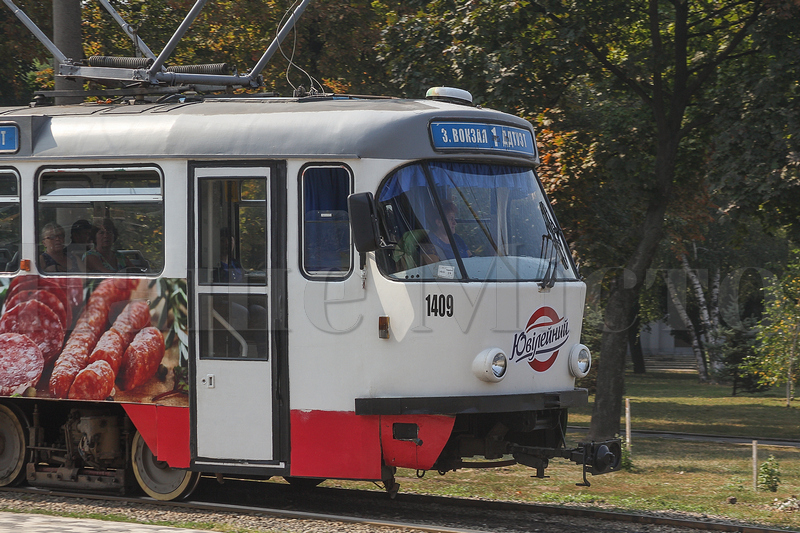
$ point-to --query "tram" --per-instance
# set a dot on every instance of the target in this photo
(315, 287)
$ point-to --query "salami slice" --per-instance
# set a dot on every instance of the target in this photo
(22, 283)
(110, 348)
(47, 298)
(141, 359)
(37, 321)
(95, 382)
(21, 363)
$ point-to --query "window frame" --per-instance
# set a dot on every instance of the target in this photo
(301, 233)
(121, 198)
(11, 199)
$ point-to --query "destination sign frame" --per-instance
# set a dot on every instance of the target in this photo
(482, 137)
(9, 138)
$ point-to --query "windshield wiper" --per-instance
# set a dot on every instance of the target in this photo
(551, 250)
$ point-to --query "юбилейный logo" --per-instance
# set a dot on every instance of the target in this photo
(539, 343)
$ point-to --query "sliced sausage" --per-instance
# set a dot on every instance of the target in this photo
(110, 348)
(95, 382)
(141, 359)
(47, 298)
(21, 363)
(37, 321)
(132, 319)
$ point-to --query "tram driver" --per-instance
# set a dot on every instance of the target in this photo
(438, 234)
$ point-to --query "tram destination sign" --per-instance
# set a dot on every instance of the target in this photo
(475, 136)
(9, 138)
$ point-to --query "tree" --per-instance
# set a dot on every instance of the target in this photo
(755, 160)
(333, 42)
(661, 61)
(667, 54)
(779, 330)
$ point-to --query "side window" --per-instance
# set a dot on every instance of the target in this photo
(9, 221)
(326, 245)
(97, 220)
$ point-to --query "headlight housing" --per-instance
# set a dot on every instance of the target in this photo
(580, 360)
(490, 365)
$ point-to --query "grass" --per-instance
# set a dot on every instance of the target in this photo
(677, 402)
(667, 475)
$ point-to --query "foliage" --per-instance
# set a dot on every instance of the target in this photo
(756, 156)
(19, 50)
(626, 461)
(332, 42)
(737, 349)
(769, 475)
(778, 348)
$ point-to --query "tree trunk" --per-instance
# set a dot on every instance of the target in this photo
(702, 370)
(622, 299)
(635, 343)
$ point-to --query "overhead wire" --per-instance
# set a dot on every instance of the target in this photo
(311, 80)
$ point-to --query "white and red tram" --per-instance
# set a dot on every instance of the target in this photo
(344, 286)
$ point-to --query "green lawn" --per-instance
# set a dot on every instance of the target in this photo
(677, 402)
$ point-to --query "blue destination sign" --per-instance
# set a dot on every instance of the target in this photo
(9, 139)
(475, 136)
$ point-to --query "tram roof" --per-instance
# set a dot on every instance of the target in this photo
(247, 128)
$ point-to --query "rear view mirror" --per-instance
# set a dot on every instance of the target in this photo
(364, 221)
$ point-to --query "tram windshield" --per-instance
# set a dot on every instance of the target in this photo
(458, 221)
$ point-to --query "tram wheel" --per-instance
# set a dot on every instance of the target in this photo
(304, 482)
(13, 447)
(157, 478)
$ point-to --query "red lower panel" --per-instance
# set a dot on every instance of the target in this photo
(165, 429)
(336, 445)
(342, 445)
(420, 454)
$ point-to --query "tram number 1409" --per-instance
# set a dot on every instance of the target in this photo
(439, 305)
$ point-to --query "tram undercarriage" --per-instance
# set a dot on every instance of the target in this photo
(56, 445)
(530, 438)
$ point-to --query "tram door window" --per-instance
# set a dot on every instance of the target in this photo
(326, 248)
(127, 205)
(232, 246)
(9, 221)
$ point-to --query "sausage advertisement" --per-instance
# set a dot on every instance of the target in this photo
(105, 340)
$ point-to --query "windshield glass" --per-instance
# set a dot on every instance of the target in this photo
(470, 221)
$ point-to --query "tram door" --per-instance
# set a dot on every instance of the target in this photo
(233, 376)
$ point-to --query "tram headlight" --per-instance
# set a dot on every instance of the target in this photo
(580, 360)
(490, 365)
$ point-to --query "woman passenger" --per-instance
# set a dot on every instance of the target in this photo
(55, 258)
(103, 258)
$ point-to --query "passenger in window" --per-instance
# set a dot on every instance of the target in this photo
(80, 238)
(438, 235)
(55, 257)
(80, 242)
(230, 269)
(104, 258)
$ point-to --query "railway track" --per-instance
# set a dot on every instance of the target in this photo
(278, 507)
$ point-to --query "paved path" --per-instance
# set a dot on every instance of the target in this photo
(37, 523)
